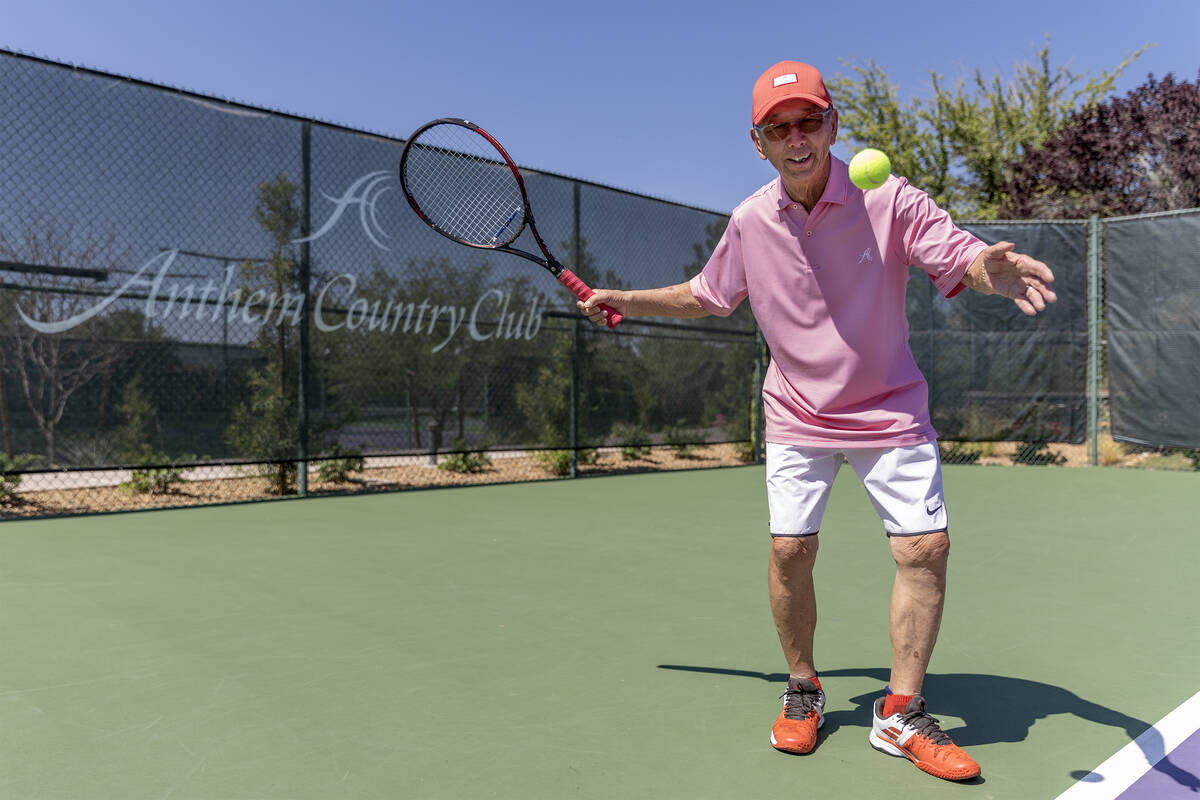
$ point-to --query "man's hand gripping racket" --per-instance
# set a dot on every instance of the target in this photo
(463, 184)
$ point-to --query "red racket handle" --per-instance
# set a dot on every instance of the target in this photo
(581, 290)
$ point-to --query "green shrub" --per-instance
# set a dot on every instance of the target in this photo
(960, 452)
(467, 461)
(676, 436)
(10, 479)
(633, 440)
(341, 463)
(558, 462)
(1037, 454)
(153, 480)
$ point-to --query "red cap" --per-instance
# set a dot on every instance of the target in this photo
(787, 80)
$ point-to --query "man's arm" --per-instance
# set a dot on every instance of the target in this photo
(669, 301)
(1024, 279)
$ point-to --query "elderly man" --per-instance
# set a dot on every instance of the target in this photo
(825, 266)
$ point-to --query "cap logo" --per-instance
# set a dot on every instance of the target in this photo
(784, 79)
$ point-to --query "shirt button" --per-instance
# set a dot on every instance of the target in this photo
(808, 233)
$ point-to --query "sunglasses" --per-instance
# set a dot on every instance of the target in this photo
(778, 131)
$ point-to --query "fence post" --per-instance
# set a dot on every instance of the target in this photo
(304, 278)
(576, 259)
(756, 410)
(573, 421)
(1095, 345)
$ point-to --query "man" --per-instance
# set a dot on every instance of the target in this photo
(824, 266)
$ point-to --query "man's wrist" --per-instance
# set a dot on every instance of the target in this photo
(975, 278)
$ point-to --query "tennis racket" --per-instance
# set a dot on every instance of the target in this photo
(463, 184)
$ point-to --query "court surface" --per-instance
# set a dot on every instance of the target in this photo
(598, 638)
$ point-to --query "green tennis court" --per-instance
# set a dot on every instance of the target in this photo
(597, 638)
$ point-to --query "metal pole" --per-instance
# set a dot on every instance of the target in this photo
(224, 349)
(573, 424)
(577, 259)
(1095, 344)
(304, 277)
(756, 413)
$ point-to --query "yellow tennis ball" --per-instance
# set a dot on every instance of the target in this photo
(870, 168)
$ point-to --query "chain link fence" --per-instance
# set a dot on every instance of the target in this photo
(204, 302)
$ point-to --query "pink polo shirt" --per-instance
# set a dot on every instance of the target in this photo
(827, 289)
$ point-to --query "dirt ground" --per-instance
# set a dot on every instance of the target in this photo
(199, 490)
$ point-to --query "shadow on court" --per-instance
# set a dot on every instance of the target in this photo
(993, 708)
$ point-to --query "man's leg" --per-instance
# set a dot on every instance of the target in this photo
(794, 600)
(798, 482)
(918, 595)
(905, 484)
(794, 606)
(900, 725)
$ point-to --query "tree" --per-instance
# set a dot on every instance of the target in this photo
(51, 367)
(742, 317)
(436, 334)
(606, 367)
(130, 331)
(266, 426)
(1129, 155)
(957, 144)
(726, 377)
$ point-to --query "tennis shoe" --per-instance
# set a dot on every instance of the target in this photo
(795, 730)
(915, 735)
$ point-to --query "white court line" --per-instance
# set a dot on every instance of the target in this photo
(1132, 761)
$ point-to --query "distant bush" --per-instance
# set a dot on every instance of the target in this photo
(153, 479)
(633, 440)
(342, 462)
(558, 462)
(960, 452)
(10, 479)
(676, 436)
(464, 460)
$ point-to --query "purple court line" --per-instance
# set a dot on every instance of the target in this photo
(1175, 776)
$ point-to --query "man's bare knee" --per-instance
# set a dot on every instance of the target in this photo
(793, 550)
(929, 551)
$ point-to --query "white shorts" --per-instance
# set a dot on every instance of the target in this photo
(904, 484)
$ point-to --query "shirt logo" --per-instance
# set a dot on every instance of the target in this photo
(866, 256)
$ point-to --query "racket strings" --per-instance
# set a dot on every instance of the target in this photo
(461, 185)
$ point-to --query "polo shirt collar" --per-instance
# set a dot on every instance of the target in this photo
(837, 188)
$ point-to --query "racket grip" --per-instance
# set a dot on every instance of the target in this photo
(580, 289)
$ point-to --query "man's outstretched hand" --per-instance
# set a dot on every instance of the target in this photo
(1024, 279)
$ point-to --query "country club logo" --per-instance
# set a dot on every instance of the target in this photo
(337, 305)
(363, 193)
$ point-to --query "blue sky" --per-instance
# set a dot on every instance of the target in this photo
(648, 96)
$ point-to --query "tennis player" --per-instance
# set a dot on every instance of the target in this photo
(824, 266)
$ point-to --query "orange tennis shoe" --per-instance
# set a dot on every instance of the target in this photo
(795, 730)
(916, 736)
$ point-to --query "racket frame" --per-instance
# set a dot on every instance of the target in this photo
(549, 262)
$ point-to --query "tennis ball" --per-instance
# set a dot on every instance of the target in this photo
(870, 168)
